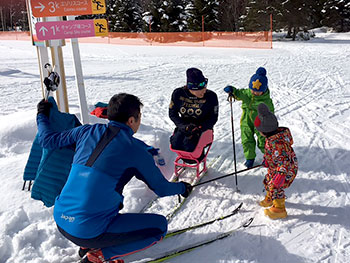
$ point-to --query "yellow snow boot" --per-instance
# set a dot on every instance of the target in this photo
(278, 209)
(267, 202)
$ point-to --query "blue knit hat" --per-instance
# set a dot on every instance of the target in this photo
(258, 82)
(195, 79)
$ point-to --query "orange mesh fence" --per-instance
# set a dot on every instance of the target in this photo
(14, 35)
(199, 39)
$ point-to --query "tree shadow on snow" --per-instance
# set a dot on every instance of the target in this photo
(315, 159)
(321, 214)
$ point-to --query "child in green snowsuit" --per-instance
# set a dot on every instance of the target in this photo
(257, 93)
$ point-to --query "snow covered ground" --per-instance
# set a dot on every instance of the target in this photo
(310, 86)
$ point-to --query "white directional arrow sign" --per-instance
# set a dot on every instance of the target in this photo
(43, 30)
(41, 7)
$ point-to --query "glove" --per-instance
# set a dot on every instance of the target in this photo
(192, 129)
(152, 150)
(188, 189)
(278, 180)
(44, 107)
(229, 89)
(264, 163)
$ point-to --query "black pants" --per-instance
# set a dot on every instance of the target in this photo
(183, 141)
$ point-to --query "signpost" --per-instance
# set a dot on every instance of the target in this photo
(46, 8)
(52, 30)
(71, 29)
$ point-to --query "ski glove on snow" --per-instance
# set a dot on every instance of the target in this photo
(278, 180)
(188, 189)
(44, 107)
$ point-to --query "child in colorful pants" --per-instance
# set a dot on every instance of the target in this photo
(279, 158)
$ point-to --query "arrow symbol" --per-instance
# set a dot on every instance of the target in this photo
(43, 30)
(42, 7)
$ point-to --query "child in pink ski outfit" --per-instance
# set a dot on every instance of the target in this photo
(279, 158)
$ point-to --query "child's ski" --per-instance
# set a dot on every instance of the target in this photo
(183, 230)
(179, 251)
(170, 216)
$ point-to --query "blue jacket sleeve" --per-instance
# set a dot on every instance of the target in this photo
(152, 176)
(50, 139)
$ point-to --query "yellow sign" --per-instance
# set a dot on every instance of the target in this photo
(98, 6)
(101, 27)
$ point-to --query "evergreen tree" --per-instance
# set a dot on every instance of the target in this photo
(208, 9)
(230, 12)
(125, 16)
(174, 17)
(153, 15)
(296, 16)
(337, 15)
(257, 17)
(316, 14)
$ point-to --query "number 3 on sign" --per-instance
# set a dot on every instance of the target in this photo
(53, 6)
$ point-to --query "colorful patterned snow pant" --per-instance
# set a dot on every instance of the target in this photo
(278, 193)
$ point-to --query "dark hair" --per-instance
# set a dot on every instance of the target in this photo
(122, 106)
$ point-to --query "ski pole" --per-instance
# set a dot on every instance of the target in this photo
(235, 173)
(229, 98)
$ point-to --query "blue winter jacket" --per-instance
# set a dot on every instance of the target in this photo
(92, 196)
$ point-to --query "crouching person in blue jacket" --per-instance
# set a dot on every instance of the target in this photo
(107, 156)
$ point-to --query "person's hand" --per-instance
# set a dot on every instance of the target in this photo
(278, 180)
(44, 107)
(229, 89)
(188, 189)
(192, 128)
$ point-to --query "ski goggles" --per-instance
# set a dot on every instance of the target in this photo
(197, 86)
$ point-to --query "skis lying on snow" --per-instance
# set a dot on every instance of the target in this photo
(179, 251)
(183, 230)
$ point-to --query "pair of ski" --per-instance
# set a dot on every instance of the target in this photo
(179, 251)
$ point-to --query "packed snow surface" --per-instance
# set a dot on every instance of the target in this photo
(310, 86)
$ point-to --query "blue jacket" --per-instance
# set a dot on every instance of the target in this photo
(50, 167)
(93, 195)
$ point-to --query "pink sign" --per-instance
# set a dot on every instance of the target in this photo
(71, 29)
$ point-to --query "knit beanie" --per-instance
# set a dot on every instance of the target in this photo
(195, 79)
(266, 121)
(258, 82)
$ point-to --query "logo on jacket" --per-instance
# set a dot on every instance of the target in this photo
(69, 218)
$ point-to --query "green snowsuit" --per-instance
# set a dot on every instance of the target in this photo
(250, 103)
